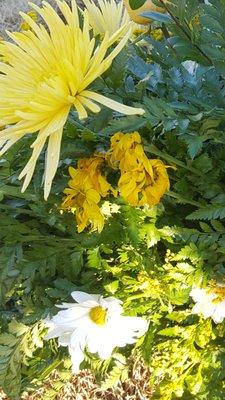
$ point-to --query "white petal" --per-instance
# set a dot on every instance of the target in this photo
(206, 309)
(71, 325)
(93, 340)
(99, 340)
(219, 313)
(81, 297)
(71, 313)
(114, 309)
(76, 349)
(66, 305)
(197, 294)
(217, 318)
(105, 350)
(113, 305)
(53, 333)
(64, 339)
(77, 356)
(126, 330)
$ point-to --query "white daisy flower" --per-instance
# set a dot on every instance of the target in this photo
(94, 323)
(210, 302)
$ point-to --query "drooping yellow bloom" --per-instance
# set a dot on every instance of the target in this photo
(48, 71)
(86, 188)
(142, 181)
(106, 16)
(24, 26)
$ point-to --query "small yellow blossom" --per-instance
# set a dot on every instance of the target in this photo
(156, 34)
(25, 26)
(86, 188)
(142, 181)
(195, 22)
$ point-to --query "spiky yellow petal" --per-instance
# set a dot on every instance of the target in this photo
(106, 16)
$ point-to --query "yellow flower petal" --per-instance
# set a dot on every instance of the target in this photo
(114, 105)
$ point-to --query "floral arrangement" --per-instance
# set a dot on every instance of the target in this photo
(117, 131)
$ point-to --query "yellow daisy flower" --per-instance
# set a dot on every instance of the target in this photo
(47, 72)
(86, 188)
(106, 16)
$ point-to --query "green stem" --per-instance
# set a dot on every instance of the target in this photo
(80, 126)
(18, 210)
(140, 37)
(182, 199)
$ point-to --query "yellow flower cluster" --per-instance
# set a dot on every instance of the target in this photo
(142, 181)
(86, 187)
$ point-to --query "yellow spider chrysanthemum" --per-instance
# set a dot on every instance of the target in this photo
(142, 181)
(86, 188)
(106, 16)
(47, 71)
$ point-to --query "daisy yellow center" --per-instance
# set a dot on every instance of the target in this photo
(98, 315)
(220, 294)
(219, 291)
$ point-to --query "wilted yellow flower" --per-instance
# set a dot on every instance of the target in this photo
(120, 143)
(106, 16)
(142, 181)
(24, 26)
(86, 188)
(47, 72)
(155, 189)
